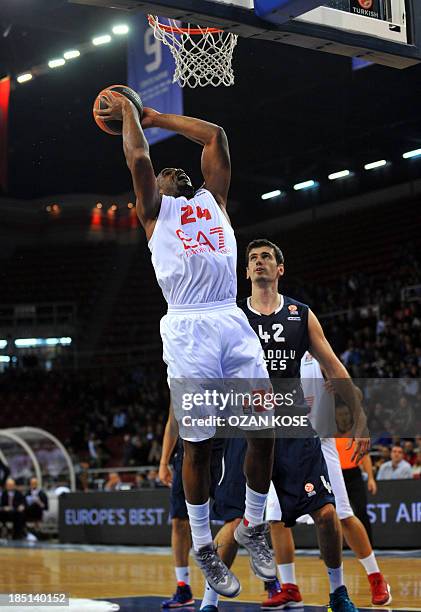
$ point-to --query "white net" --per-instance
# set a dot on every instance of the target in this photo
(203, 56)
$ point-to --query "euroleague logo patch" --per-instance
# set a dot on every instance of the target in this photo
(293, 310)
(365, 4)
(309, 489)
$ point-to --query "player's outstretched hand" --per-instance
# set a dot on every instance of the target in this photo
(362, 446)
(165, 474)
(149, 116)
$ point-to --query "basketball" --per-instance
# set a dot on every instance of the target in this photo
(115, 127)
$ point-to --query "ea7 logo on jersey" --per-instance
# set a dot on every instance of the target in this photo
(203, 242)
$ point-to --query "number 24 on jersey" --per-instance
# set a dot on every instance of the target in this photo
(188, 214)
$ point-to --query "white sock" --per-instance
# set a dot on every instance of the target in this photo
(287, 573)
(336, 577)
(210, 598)
(255, 506)
(370, 564)
(199, 524)
(183, 574)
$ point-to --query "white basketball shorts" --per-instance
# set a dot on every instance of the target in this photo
(204, 346)
(343, 507)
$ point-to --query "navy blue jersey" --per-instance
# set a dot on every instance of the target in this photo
(282, 334)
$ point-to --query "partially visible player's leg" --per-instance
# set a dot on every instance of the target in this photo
(251, 532)
(258, 464)
(329, 535)
(227, 549)
(357, 539)
(196, 472)
(180, 538)
(181, 544)
(229, 507)
(354, 531)
(288, 595)
(196, 481)
(226, 543)
(284, 549)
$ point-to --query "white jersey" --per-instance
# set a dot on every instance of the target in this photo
(320, 401)
(194, 251)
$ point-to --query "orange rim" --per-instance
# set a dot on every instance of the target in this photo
(176, 30)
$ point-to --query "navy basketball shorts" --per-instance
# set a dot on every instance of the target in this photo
(229, 500)
(178, 507)
(300, 480)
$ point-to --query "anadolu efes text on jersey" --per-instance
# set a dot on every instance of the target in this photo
(194, 251)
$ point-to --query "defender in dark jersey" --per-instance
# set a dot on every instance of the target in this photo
(287, 328)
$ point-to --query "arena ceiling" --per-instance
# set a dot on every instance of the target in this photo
(292, 115)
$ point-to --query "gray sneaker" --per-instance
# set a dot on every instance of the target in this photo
(219, 577)
(254, 541)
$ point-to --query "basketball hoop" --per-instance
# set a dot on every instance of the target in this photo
(203, 56)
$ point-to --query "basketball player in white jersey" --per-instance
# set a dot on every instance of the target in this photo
(205, 335)
(322, 416)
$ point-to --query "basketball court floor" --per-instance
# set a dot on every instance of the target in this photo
(140, 578)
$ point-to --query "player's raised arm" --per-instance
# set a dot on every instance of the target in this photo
(340, 379)
(136, 151)
(216, 164)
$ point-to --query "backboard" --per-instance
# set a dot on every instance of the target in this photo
(385, 32)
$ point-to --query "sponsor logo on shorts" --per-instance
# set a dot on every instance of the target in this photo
(309, 489)
(326, 484)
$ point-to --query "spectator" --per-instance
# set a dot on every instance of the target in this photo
(395, 469)
(416, 468)
(12, 508)
(153, 479)
(83, 477)
(409, 453)
(154, 455)
(119, 420)
(94, 450)
(36, 501)
(127, 450)
(140, 481)
(384, 455)
(404, 417)
(410, 386)
(140, 451)
(113, 482)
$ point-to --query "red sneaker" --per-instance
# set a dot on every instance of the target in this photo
(288, 597)
(380, 590)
